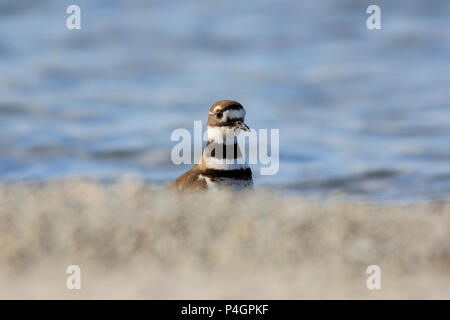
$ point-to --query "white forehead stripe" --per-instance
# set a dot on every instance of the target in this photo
(215, 109)
(230, 114)
(235, 114)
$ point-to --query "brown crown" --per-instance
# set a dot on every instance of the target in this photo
(226, 105)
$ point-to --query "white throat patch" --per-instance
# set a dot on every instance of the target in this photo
(222, 134)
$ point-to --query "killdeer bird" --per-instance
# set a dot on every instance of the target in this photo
(222, 164)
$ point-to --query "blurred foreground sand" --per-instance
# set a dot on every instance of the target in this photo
(135, 241)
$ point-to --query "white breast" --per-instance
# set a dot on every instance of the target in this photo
(224, 164)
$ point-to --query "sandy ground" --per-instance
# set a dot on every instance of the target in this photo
(134, 241)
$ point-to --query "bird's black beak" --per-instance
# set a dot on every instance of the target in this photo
(241, 125)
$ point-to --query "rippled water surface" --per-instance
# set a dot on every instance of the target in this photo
(365, 113)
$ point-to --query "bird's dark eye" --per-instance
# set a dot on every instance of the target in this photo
(219, 114)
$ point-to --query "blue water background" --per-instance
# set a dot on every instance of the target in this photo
(365, 113)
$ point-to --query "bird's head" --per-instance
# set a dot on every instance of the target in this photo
(225, 117)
